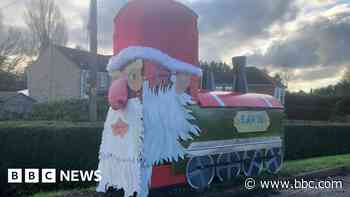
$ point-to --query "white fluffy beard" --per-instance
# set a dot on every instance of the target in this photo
(166, 121)
(119, 157)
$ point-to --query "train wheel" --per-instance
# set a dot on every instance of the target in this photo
(252, 162)
(274, 160)
(200, 171)
(228, 166)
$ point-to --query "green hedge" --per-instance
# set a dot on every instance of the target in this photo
(66, 145)
(316, 140)
(317, 108)
(59, 145)
(75, 110)
(342, 110)
(310, 107)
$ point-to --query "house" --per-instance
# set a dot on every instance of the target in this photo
(62, 73)
(15, 103)
(259, 82)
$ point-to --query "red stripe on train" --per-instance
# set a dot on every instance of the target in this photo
(164, 176)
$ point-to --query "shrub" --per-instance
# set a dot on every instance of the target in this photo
(343, 107)
(6, 115)
(59, 145)
(75, 110)
(310, 107)
(303, 141)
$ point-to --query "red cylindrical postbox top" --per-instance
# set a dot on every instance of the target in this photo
(166, 25)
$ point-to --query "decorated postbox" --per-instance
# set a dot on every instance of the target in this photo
(162, 129)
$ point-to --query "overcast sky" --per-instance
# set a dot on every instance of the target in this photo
(310, 38)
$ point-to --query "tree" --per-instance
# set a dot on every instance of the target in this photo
(341, 89)
(325, 91)
(10, 49)
(278, 77)
(346, 76)
(46, 24)
(223, 73)
(11, 78)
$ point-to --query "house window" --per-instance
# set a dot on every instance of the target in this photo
(84, 84)
(103, 80)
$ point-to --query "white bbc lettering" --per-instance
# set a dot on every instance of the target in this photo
(31, 175)
(64, 175)
(98, 176)
(80, 175)
(48, 175)
(74, 175)
(86, 175)
(14, 175)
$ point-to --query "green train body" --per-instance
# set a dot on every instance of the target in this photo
(218, 123)
(221, 148)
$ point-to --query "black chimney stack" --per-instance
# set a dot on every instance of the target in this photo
(239, 74)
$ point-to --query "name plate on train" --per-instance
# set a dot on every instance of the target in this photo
(251, 121)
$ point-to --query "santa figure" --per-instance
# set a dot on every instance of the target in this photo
(146, 120)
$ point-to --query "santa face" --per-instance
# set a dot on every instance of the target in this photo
(131, 79)
(126, 84)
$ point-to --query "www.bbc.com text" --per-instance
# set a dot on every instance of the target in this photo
(251, 183)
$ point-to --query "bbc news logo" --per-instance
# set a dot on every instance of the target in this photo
(31, 175)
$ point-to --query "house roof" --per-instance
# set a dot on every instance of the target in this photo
(257, 76)
(84, 58)
(4, 96)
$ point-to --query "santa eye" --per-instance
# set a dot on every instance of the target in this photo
(133, 76)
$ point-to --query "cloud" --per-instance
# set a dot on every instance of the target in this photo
(226, 24)
(322, 41)
(107, 10)
(317, 73)
(223, 24)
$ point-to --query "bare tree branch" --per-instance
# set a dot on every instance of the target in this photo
(346, 76)
(10, 48)
(10, 58)
(45, 23)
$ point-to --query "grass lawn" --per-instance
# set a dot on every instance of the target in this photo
(63, 193)
(290, 168)
(47, 123)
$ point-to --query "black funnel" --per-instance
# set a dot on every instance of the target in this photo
(239, 74)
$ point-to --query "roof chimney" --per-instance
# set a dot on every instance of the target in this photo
(239, 74)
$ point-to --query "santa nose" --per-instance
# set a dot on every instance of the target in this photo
(118, 93)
